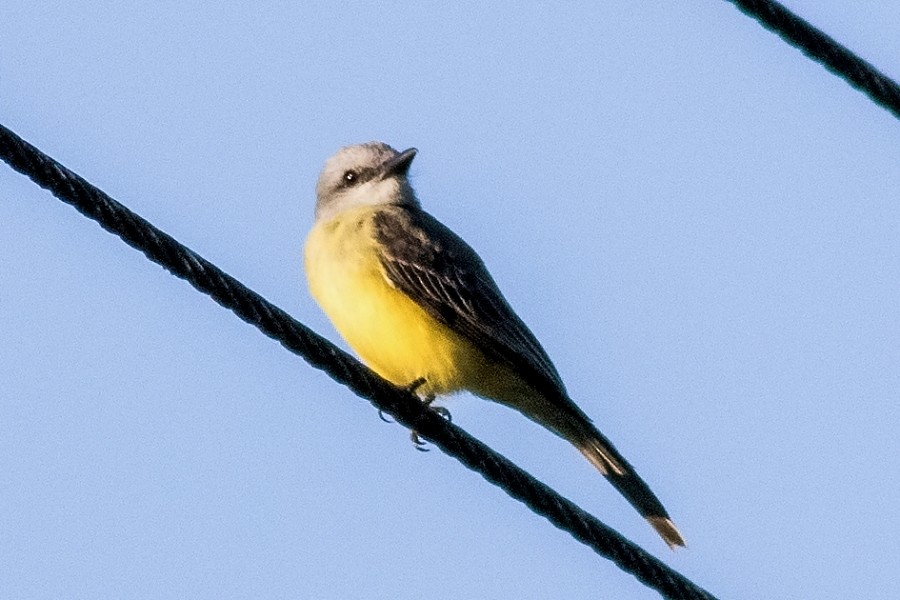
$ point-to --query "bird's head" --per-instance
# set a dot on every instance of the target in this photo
(370, 174)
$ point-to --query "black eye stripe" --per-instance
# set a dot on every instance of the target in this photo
(352, 177)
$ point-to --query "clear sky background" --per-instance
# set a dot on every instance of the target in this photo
(700, 224)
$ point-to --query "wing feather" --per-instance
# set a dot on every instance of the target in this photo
(436, 268)
(439, 271)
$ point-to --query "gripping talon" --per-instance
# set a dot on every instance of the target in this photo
(382, 417)
(440, 410)
(427, 400)
(418, 442)
(443, 412)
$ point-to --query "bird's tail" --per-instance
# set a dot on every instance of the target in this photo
(563, 417)
(603, 455)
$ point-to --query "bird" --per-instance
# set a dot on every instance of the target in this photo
(418, 306)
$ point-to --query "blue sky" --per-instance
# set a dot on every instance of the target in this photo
(699, 223)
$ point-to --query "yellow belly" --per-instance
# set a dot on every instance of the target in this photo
(390, 332)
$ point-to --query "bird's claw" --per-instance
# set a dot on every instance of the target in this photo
(443, 412)
(427, 400)
(411, 388)
(418, 442)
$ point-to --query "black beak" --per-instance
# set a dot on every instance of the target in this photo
(399, 165)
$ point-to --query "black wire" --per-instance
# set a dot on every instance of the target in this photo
(406, 408)
(319, 352)
(824, 49)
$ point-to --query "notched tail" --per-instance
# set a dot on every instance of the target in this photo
(667, 530)
(604, 456)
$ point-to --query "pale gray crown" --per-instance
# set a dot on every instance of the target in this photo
(368, 174)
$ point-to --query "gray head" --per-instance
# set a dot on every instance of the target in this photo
(369, 174)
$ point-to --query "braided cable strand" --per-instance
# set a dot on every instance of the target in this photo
(320, 353)
(824, 49)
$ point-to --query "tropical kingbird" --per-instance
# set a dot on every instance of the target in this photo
(418, 306)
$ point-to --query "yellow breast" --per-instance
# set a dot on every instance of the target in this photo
(390, 332)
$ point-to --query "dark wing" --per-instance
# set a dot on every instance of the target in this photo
(433, 266)
(436, 268)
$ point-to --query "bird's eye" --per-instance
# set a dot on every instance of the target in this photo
(350, 177)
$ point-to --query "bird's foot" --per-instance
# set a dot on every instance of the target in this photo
(428, 401)
(418, 442)
(411, 388)
(441, 411)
